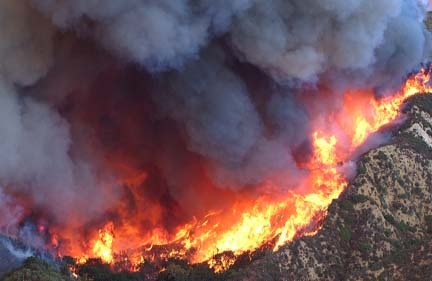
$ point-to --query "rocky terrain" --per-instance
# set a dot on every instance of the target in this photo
(381, 226)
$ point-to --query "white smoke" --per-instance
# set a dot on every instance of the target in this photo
(18, 252)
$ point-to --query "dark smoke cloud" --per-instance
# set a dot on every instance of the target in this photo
(405, 43)
(200, 107)
(288, 39)
(156, 33)
(35, 144)
(25, 43)
(35, 157)
(216, 110)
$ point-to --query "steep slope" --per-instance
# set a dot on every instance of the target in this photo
(379, 229)
(381, 226)
(11, 255)
(37, 270)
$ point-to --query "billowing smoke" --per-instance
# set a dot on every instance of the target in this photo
(149, 105)
(36, 163)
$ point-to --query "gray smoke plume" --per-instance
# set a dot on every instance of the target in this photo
(156, 33)
(35, 156)
(288, 39)
(20, 253)
(216, 110)
(11, 214)
(228, 74)
(35, 143)
(25, 43)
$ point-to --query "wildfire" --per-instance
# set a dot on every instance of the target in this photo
(102, 247)
(325, 149)
(251, 223)
(367, 114)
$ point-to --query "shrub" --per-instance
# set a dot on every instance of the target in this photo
(347, 206)
(96, 270)
(390, 219)
(404, 227)
(417, 144)
(428, 220)
(37, 270)
(359, 198)
(381, 189)
(361, 169)
(387, 232)
(174, 272)
(182, 271)
(345, 234)
(365, 247)
(382, 156)
(417, 191)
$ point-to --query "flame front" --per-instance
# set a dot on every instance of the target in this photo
(103, 247)
(253, 222)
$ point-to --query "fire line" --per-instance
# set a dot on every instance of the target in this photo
(253, 223)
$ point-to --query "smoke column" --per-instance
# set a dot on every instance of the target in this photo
(161, 110)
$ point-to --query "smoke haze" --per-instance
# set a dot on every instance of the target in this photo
(155, 103)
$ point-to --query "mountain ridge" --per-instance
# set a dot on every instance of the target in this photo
(380, 228)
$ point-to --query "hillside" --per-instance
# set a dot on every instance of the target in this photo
(8, 259)
(215, 140)
(381, 226)
(37, 270)
(379, 229)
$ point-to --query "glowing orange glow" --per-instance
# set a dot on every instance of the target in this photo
(325, 149)
(262, 220)
(103, 247)
(364, 114)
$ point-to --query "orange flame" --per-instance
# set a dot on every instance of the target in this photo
(102, 248)
(252, 223)
(366, 114)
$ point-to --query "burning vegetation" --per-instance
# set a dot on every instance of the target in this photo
(146, 131)
(265, 221)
